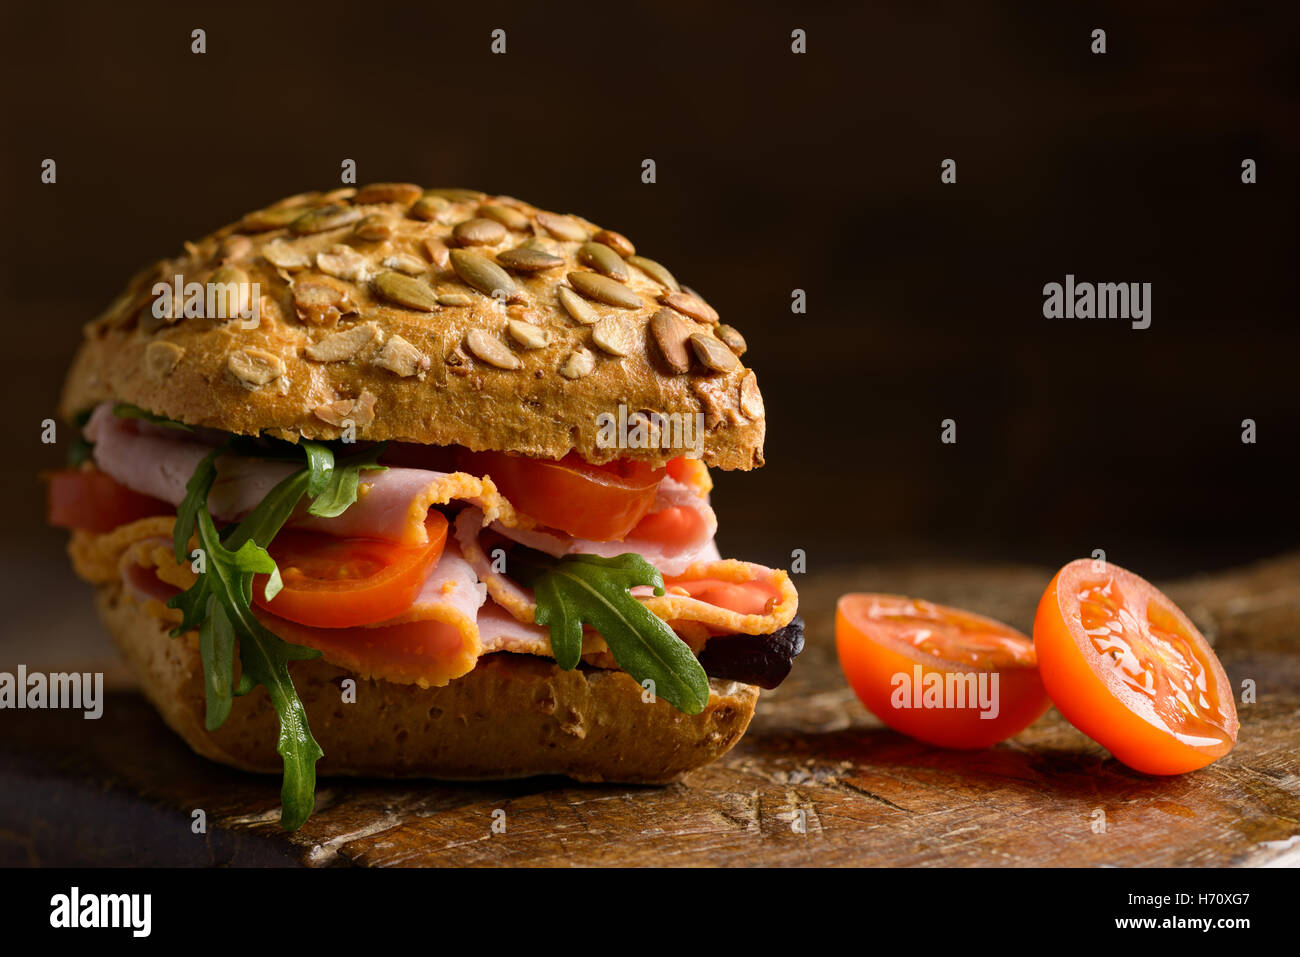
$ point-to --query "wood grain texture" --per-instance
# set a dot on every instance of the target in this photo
(121, 790)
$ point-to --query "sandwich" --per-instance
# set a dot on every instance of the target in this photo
(410, 482)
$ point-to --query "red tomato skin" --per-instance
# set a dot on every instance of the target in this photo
(1105, 718)
(93, 501)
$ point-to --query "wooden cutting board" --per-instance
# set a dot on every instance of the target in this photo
(816, 781)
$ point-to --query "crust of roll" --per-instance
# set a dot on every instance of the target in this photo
(512, 716)
(375, 327)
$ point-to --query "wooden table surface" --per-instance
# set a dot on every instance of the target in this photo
(816, 781)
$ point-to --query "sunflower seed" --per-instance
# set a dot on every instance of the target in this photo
(376, 227)
(655, 271)
(238, 303)
(160, 358)
(603, 289)
(405, 262)
(323, 218)
(562, 227)
(274, 218)
(690, 305)
(526, 334)
(577, 307)
(712, 353)
(524, 259)
(401, 358)
(505, 215)
(284, 255)
(406, 291)
(578, 364)
(616, 241)
(255, 367)
(428, 207)
(320, 300)
(602, 259)
(732, 337)
(437, 251)
(456, 195)
(751, 400)
(454, 299)
(484, 275)
(614, 335)
(540, 243)
(479, 232)
(343, 345)
(670, 334)
(404, 193)
(343, 262)
(491, 349)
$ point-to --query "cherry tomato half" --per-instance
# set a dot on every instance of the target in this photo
(940, 675)
(94, 501)
(332, 582)
(1127, 668)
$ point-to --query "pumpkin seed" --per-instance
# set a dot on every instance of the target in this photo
(525, 259)
(404, 193)
(731, 336)
(614, 335)
(602, 259)
(274, 218)
(690, 305)
(603, 289)
(376, 227)
(655, 271)
(428, 207)
(344, 262)
(751, 400)
(323, 218)
(670, 334)
(577, 307)
(526, 334)
(456, 195)
(712, 353)
(484, 275)
(479, 232)
(406, 291)
(616, 241)
(578, 364)
(284, 255)
(161, 357)
(401, 358)
(562, 227)
(507, 216)
(491, 349)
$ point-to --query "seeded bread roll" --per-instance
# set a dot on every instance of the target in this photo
(441, 317)
(512, 716)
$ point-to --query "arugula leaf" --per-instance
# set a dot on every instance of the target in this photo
(125, 410)
(219, 603)
(81, 447)
(587, 588)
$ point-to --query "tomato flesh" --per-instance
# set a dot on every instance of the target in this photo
(941, 675)
(94, 501)
(332, 582)
(1125, 666)
(598, 502)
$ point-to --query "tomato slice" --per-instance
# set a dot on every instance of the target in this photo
(598, 502)
(692, 472)
(1127, 668)
(94, 501)
(940, 675)
(332, 582)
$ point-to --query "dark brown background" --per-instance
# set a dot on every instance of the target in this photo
(774, 172)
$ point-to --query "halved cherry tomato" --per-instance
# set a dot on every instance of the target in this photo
(332, 582)
(692, 472)
(599, 502)
(674, 525)
(1127, 668)
(939, 674)
(94, 501)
